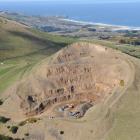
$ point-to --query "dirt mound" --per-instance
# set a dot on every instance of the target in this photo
(81, 72)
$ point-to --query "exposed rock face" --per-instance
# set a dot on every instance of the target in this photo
(80, 72)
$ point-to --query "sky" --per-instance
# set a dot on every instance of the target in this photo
(77, 1)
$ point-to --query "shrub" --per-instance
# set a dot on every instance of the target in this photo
(30, 120)
(61, 132)
(14, 129)
(26, 134)
(2, 137)
(4, 119)
(22, 123)
(122, 41)
(1, 102)
(122, 83)
(8, 127)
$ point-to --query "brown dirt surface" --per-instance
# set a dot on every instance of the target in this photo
(80, 73)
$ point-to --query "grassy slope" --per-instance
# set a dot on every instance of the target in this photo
(21, 48)
(128, 49)
(127, 112)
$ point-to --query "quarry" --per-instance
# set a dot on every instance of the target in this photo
(56, 88)
(72, 81)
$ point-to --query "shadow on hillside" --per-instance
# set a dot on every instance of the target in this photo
(45, 46)
(36, 39)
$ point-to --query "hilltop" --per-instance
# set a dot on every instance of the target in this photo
(61, 88)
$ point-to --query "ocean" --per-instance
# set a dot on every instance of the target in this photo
(124, 14)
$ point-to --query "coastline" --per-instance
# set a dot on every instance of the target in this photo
(114, 27)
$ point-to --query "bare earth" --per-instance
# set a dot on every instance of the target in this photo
(77, 94)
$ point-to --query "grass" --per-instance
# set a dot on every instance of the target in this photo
(125, 48)
(22, 49)
(30, 120)
(127, 116)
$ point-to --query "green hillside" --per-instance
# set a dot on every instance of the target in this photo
(22, 47)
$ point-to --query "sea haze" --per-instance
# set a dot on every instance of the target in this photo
(126, 14)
